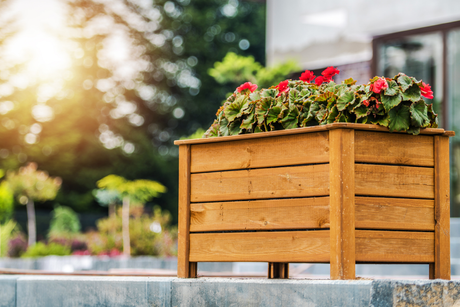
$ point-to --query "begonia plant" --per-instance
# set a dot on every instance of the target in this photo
(395, 103)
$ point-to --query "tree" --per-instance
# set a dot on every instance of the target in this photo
(108, 198)
(6, 200)
(30, 185)
(137, 191)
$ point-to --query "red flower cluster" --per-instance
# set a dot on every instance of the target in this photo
(283, 87)
(307, 76)
(367, 102)
(426, 91)
(246, 86)
(327, 74)
(379, 85)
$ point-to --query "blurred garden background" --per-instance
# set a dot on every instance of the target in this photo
(92, 95)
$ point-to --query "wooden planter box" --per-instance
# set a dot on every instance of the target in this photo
(339, 194)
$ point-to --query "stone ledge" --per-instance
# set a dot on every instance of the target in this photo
(20, 291)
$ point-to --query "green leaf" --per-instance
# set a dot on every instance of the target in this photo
(236, 108)
(432, 116)
(392, 88)
(361, 111)
(382, 121)
(345, 99)
(248, 122)
(213, 131)
(405, 82)
(325, 96)
(294, 95)
(254, 96)
(257, 129)
(234, 127)
(291, 120)
(419, 114)
(332, 115)
(389, 102)
(412, 93)
(321, 114)
(399, 118)
(262, 108)
(273, 114)
(349, 81)
(342, 118)
(414, 130)
(224, 127)
(273, 93)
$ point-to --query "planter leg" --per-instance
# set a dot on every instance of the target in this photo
(278, 270)
(441, 266)
(193, 269)
(342, 203)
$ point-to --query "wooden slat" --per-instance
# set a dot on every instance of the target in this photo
(386, 148)
(430, 131)
(283, 246)
(291, 213)
(265, 183)
(278, 270)
(342, 203)
(394, 181)
(394, 246)
(394, 213)
(184, 268)
(263, 152)
(442, 208)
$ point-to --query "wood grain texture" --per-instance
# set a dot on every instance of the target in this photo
(263, 152)
(183, 266)
(265, 183)
(283, 246)
(394, 213)
(394, 181)
(430, 131)
(386, 148)
(394, 246)
(342, 203)
(291, 213)
(278, 270)
(442, 208)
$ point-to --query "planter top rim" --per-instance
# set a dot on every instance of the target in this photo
(427, 131)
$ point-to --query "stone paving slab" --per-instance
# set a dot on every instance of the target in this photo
(41, 291)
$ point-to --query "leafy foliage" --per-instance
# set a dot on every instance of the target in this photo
(6, 233)
(6, 200)
(394, 103)
(64, 221)
(41, 250)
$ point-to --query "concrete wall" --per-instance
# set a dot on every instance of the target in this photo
(48, 291)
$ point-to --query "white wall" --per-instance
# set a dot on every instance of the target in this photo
(332, 32)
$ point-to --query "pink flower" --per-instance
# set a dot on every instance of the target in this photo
(378, 85)
(319, 80)
(329, 72)
(283, 87)
(426, 91)
(246, 86)
(307, 76)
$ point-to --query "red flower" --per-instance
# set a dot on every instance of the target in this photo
(319, 80)
(246, 86)
(426, 91)
(378, 85)
(283, 87)
(329, 72)
(307, 76)
(366, 103)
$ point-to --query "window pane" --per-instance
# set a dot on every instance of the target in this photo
(418, 56)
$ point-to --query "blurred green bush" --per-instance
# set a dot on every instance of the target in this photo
(41, 249)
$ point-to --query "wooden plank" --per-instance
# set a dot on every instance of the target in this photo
(429, 131)
(342, 203)
(282, 182)
(183, 265)
(283, 246)
(442, 208)
(291, 213)
(263, 152)
(394, 213)
(394, 181)
(394, 246)
(386, 148)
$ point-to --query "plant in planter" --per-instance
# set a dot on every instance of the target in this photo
(395, 103)
(339, 189)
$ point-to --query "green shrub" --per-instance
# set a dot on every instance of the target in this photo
(40, 249)
(6, 233)
(64, 221)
